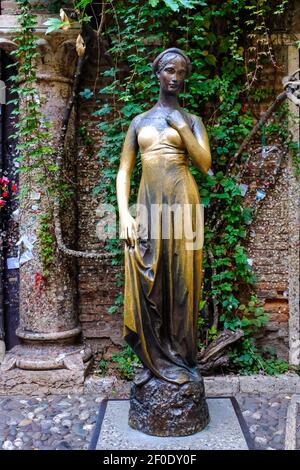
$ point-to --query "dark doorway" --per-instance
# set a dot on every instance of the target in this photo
(9, 282)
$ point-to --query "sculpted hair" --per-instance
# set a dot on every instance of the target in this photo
(164, 57)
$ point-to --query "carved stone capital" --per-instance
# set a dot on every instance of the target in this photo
(58, 55)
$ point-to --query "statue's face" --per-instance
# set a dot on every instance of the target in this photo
(172, 76)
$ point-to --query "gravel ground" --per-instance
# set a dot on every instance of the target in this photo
(66, 422)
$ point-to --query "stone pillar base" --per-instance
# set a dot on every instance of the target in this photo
(161, 408)
(45, 368)
(43, 382)
(46, 357)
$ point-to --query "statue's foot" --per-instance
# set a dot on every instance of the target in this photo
(180, 375)
(143, 377)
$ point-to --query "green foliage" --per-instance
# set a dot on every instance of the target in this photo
(54, 24)
(80, 7)
(212, 333)
(102, 367)
(86, 93)
(82, 4)
(250, 318)
(126, 362)
(47, 242)
(249, 360)
(31, 130)
(175, 5)
(118, 303)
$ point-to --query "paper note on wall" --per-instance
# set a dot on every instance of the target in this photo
(13, 263)
(25, 244)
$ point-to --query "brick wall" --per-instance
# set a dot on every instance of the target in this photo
(268, 243)
(268, 249)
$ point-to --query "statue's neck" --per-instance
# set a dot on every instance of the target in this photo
(168, 101)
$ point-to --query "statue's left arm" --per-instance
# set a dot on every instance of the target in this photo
(195, 139)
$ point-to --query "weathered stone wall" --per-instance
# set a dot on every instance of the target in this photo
(268, 244)
(268, 251)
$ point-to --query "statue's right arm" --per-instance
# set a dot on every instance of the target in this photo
(128, 157)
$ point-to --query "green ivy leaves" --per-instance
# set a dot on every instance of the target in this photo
(175, 5)
(53, 24)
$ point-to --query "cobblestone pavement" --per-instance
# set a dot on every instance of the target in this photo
(265, 416)
(53, 422)
(66, 422)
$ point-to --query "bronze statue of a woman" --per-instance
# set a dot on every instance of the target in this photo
(162, 272)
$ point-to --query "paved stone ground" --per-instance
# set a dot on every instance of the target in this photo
(265, 416)
(66, 422)
(53, 422)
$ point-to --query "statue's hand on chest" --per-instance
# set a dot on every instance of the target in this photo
(177, 120)
(164, 120)
(161, 126)
(157, 122)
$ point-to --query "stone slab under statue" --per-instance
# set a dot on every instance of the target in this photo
(227, 430)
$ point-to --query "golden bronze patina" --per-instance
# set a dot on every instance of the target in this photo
(162, 276)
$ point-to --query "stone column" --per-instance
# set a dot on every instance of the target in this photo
(51, 352)
(294, 225)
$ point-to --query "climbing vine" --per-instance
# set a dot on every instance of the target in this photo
(36, 155)
(32, 131)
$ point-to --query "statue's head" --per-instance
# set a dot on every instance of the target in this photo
(171, 68)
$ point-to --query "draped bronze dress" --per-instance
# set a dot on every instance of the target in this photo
(162, 276)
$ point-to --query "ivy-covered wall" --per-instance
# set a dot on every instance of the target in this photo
(267, 241)
(267, 247)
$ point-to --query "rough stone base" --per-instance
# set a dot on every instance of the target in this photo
(161, 408)
(43, 382)
(223, 432)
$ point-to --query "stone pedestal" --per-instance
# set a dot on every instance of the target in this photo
(161, 408)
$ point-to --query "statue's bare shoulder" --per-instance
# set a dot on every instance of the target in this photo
(197, 124)
(137, 121)
(196, 120)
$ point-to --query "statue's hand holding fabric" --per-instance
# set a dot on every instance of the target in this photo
(128, 229)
